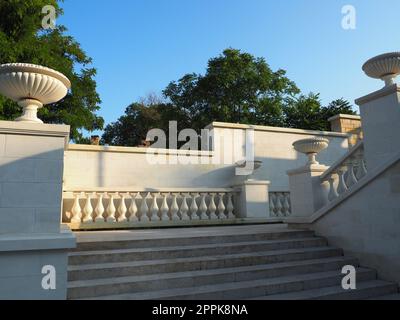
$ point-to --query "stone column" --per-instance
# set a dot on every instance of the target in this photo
(380, 113)
(33, 244)
(306, 193)
(253, 199)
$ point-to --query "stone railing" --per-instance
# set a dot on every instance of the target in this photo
(346, 172)
(279, 204)
(135, 207)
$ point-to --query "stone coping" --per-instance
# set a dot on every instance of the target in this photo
(276, 129)
(344, 116)
(156, 151)
(35, 129)
(65, 239)
(143, 189)
(395, 88)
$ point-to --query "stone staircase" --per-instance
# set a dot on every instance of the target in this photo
(258, 262)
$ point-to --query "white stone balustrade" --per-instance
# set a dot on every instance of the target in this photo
(279, 204)
(345, 173)
(112, 207)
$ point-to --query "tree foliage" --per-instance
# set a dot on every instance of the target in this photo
(22, 39)
(236, 87)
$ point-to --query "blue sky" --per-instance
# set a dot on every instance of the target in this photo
(139, 46)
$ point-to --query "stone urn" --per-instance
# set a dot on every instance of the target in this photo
(311, 147)
(385, 67)
(32, 86)
(247, 168)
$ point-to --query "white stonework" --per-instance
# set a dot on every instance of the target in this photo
(32, 86)
(31, 170)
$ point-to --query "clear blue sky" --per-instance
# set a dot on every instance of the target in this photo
(139, 46)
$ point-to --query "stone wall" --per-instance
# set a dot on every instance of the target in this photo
(346, 123)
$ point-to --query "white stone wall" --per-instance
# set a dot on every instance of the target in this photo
(93, 166)
(367, 224)
(31, 170)
(273, 146)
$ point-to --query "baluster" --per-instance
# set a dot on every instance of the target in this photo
(212, 207)
(332, 189)
(203, 207)
(164, 208)
(286, 205)
(221, 206)
(289, 203)
(351, 178)
(88, 210)
(174, 208)
(194, 208)
(363, 168)
(154, 209)
(272, 201)
(76, 210)
(230, 207)
(122, 210)
(111, 210)
(99, 209)
(144, 209)
(184, 208)
(342, 188)
(133, 209)
(278, 206)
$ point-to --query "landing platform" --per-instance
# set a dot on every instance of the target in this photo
(169, 233)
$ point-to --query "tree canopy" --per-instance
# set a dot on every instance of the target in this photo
(23, 39)
(237, 87)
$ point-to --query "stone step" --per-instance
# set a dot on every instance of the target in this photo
(90, 288)
(245, 289)
(105, 256)
(365, 290)
(108, 270)
(183, 237)
(393, 296)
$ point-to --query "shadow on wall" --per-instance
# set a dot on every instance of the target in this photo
(31, 191)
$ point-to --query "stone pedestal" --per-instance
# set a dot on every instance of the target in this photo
(31, 236)
(306, 194)
(380, 113)
(253, 199)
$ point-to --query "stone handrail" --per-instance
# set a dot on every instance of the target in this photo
(346, 172)
(144, 205)
(279, 204)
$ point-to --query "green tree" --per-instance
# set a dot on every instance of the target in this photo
(236, 87)
(22, 39)
(306, 112)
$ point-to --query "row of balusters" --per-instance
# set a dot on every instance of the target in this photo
(134, 207)
(279, 204)
(346, 175)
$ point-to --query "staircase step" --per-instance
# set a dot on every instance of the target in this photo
(105, 256)
(106, 240)
(87, 288)
(246, 289)
(393, 296)
(107, 270)
(365, 290)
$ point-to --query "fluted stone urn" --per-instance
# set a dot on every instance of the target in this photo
(32, 86)
(311, 147)
(385, 67)
(247, 168)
